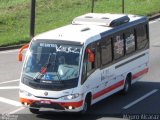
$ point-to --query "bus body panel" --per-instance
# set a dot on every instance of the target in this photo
(115, 78)
(101, 81)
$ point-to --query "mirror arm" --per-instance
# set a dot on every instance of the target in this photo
(21, 49)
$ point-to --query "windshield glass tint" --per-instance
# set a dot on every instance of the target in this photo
(53, 61)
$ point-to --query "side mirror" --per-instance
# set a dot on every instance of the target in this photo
(20, 56)
(90, 56)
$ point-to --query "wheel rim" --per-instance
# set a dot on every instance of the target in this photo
(126, 86)
(85, 106)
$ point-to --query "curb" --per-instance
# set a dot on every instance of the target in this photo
(11, 47)
(153, 17)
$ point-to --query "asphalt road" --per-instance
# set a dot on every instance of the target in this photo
(141, 103)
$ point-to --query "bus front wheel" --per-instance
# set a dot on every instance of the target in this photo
(87, 104)
(34, 110)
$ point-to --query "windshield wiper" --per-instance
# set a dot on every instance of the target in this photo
(51, 61)
(43, 70)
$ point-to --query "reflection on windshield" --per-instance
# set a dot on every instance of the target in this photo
(60, 62)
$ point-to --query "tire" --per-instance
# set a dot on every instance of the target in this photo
(127, 85)
(87, 104)
(34, 110)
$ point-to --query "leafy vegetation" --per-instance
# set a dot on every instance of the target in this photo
(50, 14)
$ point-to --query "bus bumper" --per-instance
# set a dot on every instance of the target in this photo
(53, 106)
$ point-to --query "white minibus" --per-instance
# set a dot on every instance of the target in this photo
(75, 66)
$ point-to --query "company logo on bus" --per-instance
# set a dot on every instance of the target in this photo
(45, 93)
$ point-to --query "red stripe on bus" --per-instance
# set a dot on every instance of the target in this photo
(73, 104)
(106, 90)
(63, 104)
(140, 73)
(96, 95)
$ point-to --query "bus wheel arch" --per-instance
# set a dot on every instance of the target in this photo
(87, 103)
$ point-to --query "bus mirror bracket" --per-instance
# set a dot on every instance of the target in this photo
(20, 56)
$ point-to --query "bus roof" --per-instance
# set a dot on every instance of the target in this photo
(83, 31)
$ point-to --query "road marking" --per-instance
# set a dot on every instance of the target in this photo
(9, 81)
(140, 99)
(9, 87)
(157, 44)
(17, 110)
(151, 22)
(11, 102)
(154, 21)
(9, 51)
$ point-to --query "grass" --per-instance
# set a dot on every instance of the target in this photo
(50, 14)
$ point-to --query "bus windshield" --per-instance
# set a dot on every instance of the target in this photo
(48, 61)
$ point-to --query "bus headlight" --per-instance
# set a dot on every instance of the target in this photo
(25, 93)
(70, 97)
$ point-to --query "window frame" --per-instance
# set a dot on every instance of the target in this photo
(144, 40)
(85, 60)
(105, 40)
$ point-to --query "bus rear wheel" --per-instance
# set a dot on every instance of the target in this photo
(127, 85)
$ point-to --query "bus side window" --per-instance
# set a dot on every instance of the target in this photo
(106, 51)
(142, 40)
(129, 41)
(118, 46)
(88, 67)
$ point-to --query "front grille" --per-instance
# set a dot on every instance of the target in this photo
(52, 105)
(56, 86)
(44, 86)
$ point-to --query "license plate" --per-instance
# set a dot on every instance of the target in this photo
(45, 102)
